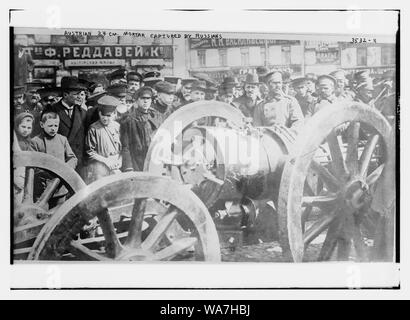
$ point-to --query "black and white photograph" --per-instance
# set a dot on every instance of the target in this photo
(182, 147)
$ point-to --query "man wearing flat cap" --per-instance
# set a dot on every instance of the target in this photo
(302, 95)
(19, 101)
(102, 144)
(134, 81)
(364, 92)
(278, 108)
(326, 92)
(137, 129)
(72, 117)
(341, 91)
(250, 98)
(151, 78)
(117, 76)
(164, 103)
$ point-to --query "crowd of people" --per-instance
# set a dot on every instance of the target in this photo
(102, 131)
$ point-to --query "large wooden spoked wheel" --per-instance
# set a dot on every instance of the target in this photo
(31, 209)
(324, 202)
(196, 240)
(167, 152)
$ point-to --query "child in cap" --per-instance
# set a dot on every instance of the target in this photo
(23, 126)
(102, 144)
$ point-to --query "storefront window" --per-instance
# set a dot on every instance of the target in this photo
(285, 55)
(245, 56)
(223, 60)
(362, 56)
(201, 58)
(388, 56)
(263, 55)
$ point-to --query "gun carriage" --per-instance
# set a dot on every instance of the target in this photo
(319, 183)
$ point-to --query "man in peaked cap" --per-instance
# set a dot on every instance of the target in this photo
(137, 129)
(341, 90)
(278, 108)
(119, 91)
(134, 81)
(117, 76)
(364, 91)
(250, 99)
(72, 117)
(151, 78)
(326, 91)
(102, 144)
(164, 103)
(19, 100)
(303, 96)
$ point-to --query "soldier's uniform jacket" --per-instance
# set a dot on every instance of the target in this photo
(387, 105)
(321, 103)
(246, 105)
(305, 102)
(136, 130)
(280, 109)
(72, 128)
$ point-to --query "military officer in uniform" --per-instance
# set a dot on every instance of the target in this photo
(303, 96)
(311, 81)
(278, 108)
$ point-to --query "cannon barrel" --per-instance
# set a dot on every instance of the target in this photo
(230, 164)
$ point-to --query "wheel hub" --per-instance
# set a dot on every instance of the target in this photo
(354, 193)
(26, 214)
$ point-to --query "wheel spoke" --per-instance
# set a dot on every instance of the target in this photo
(318, 227)
(329, 179)
(159, 230)
(83, 253)
(135, 227)
(359, 244)
(338, 163)
(28, 186)
(113, 245)
(305, 216)
(375, 175)
(175, 248)
(317, 201)
(48, 193)
(367, 154)
(330, 242)
(352, 162)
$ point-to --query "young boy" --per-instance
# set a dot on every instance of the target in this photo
(50, 142)
(23, 126)
(102, 143)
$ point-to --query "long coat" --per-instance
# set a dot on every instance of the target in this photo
(136, 131)
(73, 129)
